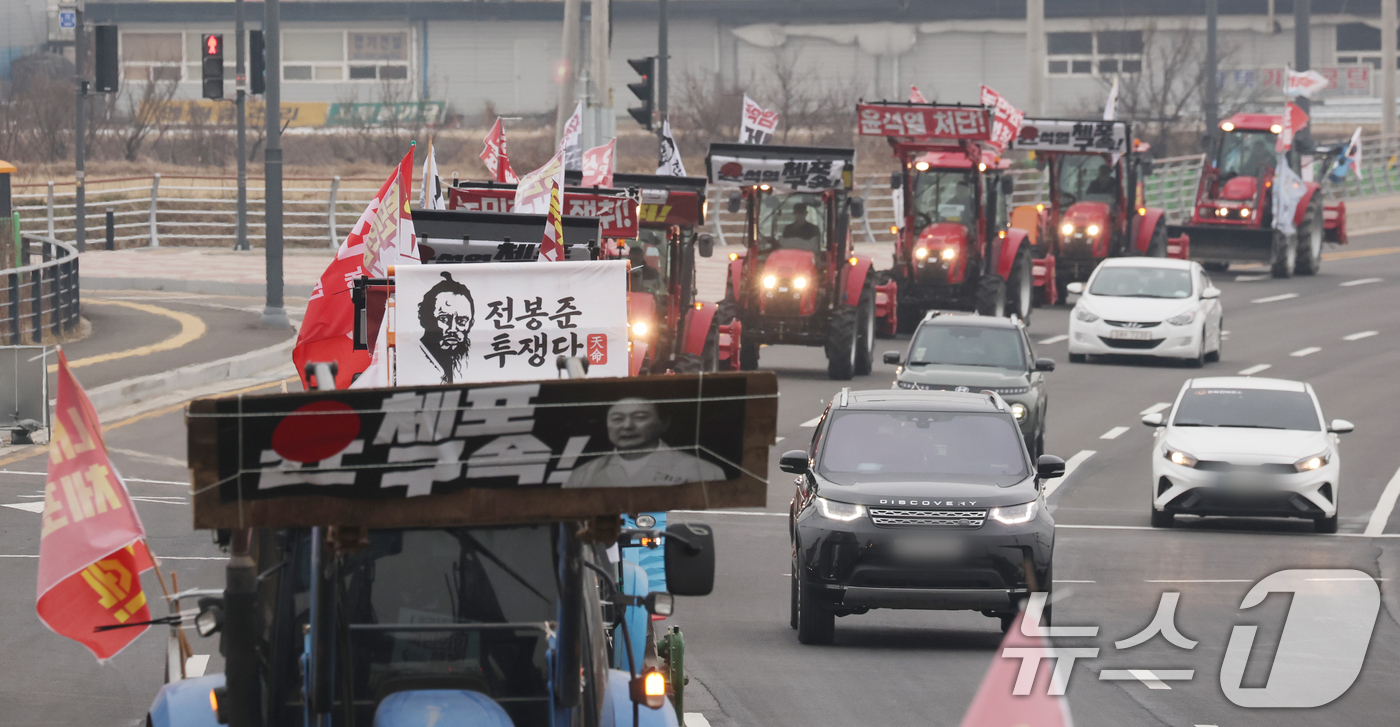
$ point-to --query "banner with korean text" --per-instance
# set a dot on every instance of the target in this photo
(758, 123)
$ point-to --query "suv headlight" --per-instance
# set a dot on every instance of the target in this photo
(1317, 461)
(1018, 411)
(1081, 313)
(842, 511)
(1183, 319)
(1015, 514)
(1177, 456)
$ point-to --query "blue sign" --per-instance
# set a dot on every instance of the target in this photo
(68, 19)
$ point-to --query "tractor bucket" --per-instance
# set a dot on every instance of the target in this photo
(1213, 243)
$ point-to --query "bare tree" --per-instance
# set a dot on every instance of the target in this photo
(147, 112)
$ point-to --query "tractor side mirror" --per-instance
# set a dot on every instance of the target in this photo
(1008, 186)
(660, 603)
(1147, 167)
(735, 202)
(690, 559)
(857, 207)
(892, 358)
(211, 616)
(896, 180)
(793, 462)
(705, 244)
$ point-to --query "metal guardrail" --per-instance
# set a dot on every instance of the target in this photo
(41, 297)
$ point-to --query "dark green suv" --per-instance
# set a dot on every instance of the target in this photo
(959, 352)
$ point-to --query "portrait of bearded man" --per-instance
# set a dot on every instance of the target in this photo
(446, 313)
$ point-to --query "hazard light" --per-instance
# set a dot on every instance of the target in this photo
(1142, 211)
(894, 229)
(921, 166)
(733, 256)
(1227, 126)
(1276, 128)
(1040, 208)
(854, 260)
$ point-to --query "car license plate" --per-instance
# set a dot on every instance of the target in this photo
(929, 548)
(1240, 481)
(1131, 335)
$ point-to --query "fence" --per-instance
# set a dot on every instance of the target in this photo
(40, 297)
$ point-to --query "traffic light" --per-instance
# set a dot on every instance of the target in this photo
(105, 62)
(257, 64)
(645, 67)
(212, 50)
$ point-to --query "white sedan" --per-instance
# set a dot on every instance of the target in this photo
(1147, 307)
(1245, 446)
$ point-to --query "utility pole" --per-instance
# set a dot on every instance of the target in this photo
(240, 82)
(80, 129)
(1035, 58)
(274, 314)
(662, 63)
(1211, 107)
(600, 54)
(568, 82)
(1302, 61)
(1387, 66)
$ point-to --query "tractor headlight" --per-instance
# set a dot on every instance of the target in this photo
(921, 253)
(770, 282)
(1244, 213)
(1091, 230)
(1016, 514)
(1221, 211)
(799, 282)
(639, 329)
(842, 511)
(949, 253)
(1066, 229)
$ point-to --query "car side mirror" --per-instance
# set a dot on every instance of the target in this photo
(794, 462)
(1210, 293)
(211, 616)
(1048, 466)
(1340, 426)
(1154, 420)
(735, 201)
(857, 207)
(1045, 364)
(896, 180)
(1076, 287)
(690, 559)
(1008, 186)
(892, 358)
(705, 244)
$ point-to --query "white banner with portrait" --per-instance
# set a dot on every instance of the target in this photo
(486, 322)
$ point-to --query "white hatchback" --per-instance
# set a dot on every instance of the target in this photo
(1245, 446)
(1147, 307)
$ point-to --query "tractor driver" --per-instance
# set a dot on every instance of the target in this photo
(1104, 182)
(1260, 159)
(642, 278)
(801, 228)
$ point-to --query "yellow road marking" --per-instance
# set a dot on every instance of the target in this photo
(1349, 254)
(191, 328)
(38, 450)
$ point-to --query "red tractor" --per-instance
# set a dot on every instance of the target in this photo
(799, 282)
(955, 248)
(1233, 218)
(1097, 208)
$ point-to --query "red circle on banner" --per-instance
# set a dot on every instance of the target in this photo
(316, 431)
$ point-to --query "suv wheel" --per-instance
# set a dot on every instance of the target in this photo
(815, 625)
(792, 604)
(865, 336)
(1162, 519)
(841, 344)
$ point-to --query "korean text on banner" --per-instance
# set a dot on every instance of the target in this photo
(505, 322)
(496, 157)
(91, 553)
(799, 175)
(1006, 122)
(1073, 136)
(532, 193)
(933, 122)
(382, 237)
(571, 141)
(758, 124)
(598, 165)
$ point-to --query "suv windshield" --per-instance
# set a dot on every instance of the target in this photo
(1124, 282)
(793, 221)
(1246, 153)
(923, 443)
(1261, 408)
(1088, 177)
(954, 345)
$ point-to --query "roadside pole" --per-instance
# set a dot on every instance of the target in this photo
(599, 54)
(568, 80)
(662, 66)
(1387, 68)
(240, 75)
(274, 314)
(1212, 104)
(1035, 58)
(80, 130)
(1302, 61)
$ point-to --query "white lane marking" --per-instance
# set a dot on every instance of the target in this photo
(1249, 278)
(124, 479)
(34, 507)
(1310, 350)
(1054, 339)
(1384, 506)
(1361, 281)
(1202, 580)
(1113, 433)
(1057, 580)
(195, 665)
(1256, 368)
(812, 422)
(1153, 679)
(1155, 408)
(1224, 333)
(1059, 526)
(1275, 298)
(778, 439)
(1071, 465)
(695, 719)
(1361, 335)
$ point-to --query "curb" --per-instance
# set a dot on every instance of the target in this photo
(141, 388)
(201, 287)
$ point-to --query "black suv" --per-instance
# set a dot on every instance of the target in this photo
(916, 500)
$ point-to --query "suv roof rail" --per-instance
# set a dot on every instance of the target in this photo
(845, 395)
(996, 400)
(932, 314)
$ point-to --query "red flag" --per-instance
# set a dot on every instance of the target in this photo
(532, 193)
(915, 96)
(91, 554)
(1006, 124)
(552, 247)
(382, 237)
(1294, 119)
(598, 165)
(496, 157)
(995, 704)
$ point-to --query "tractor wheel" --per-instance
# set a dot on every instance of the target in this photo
(686, 363)
(1285, 255)
(1157, 247)
(709, 355)
(865, 336)
(1310, 240)
(748, 355)
(1216, 267)
(1020, 289)
(841, 344)
(991, 295)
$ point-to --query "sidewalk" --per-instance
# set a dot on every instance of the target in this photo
(207, 270)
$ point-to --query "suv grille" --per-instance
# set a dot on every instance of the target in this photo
(1002, 390)
(928, 518)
